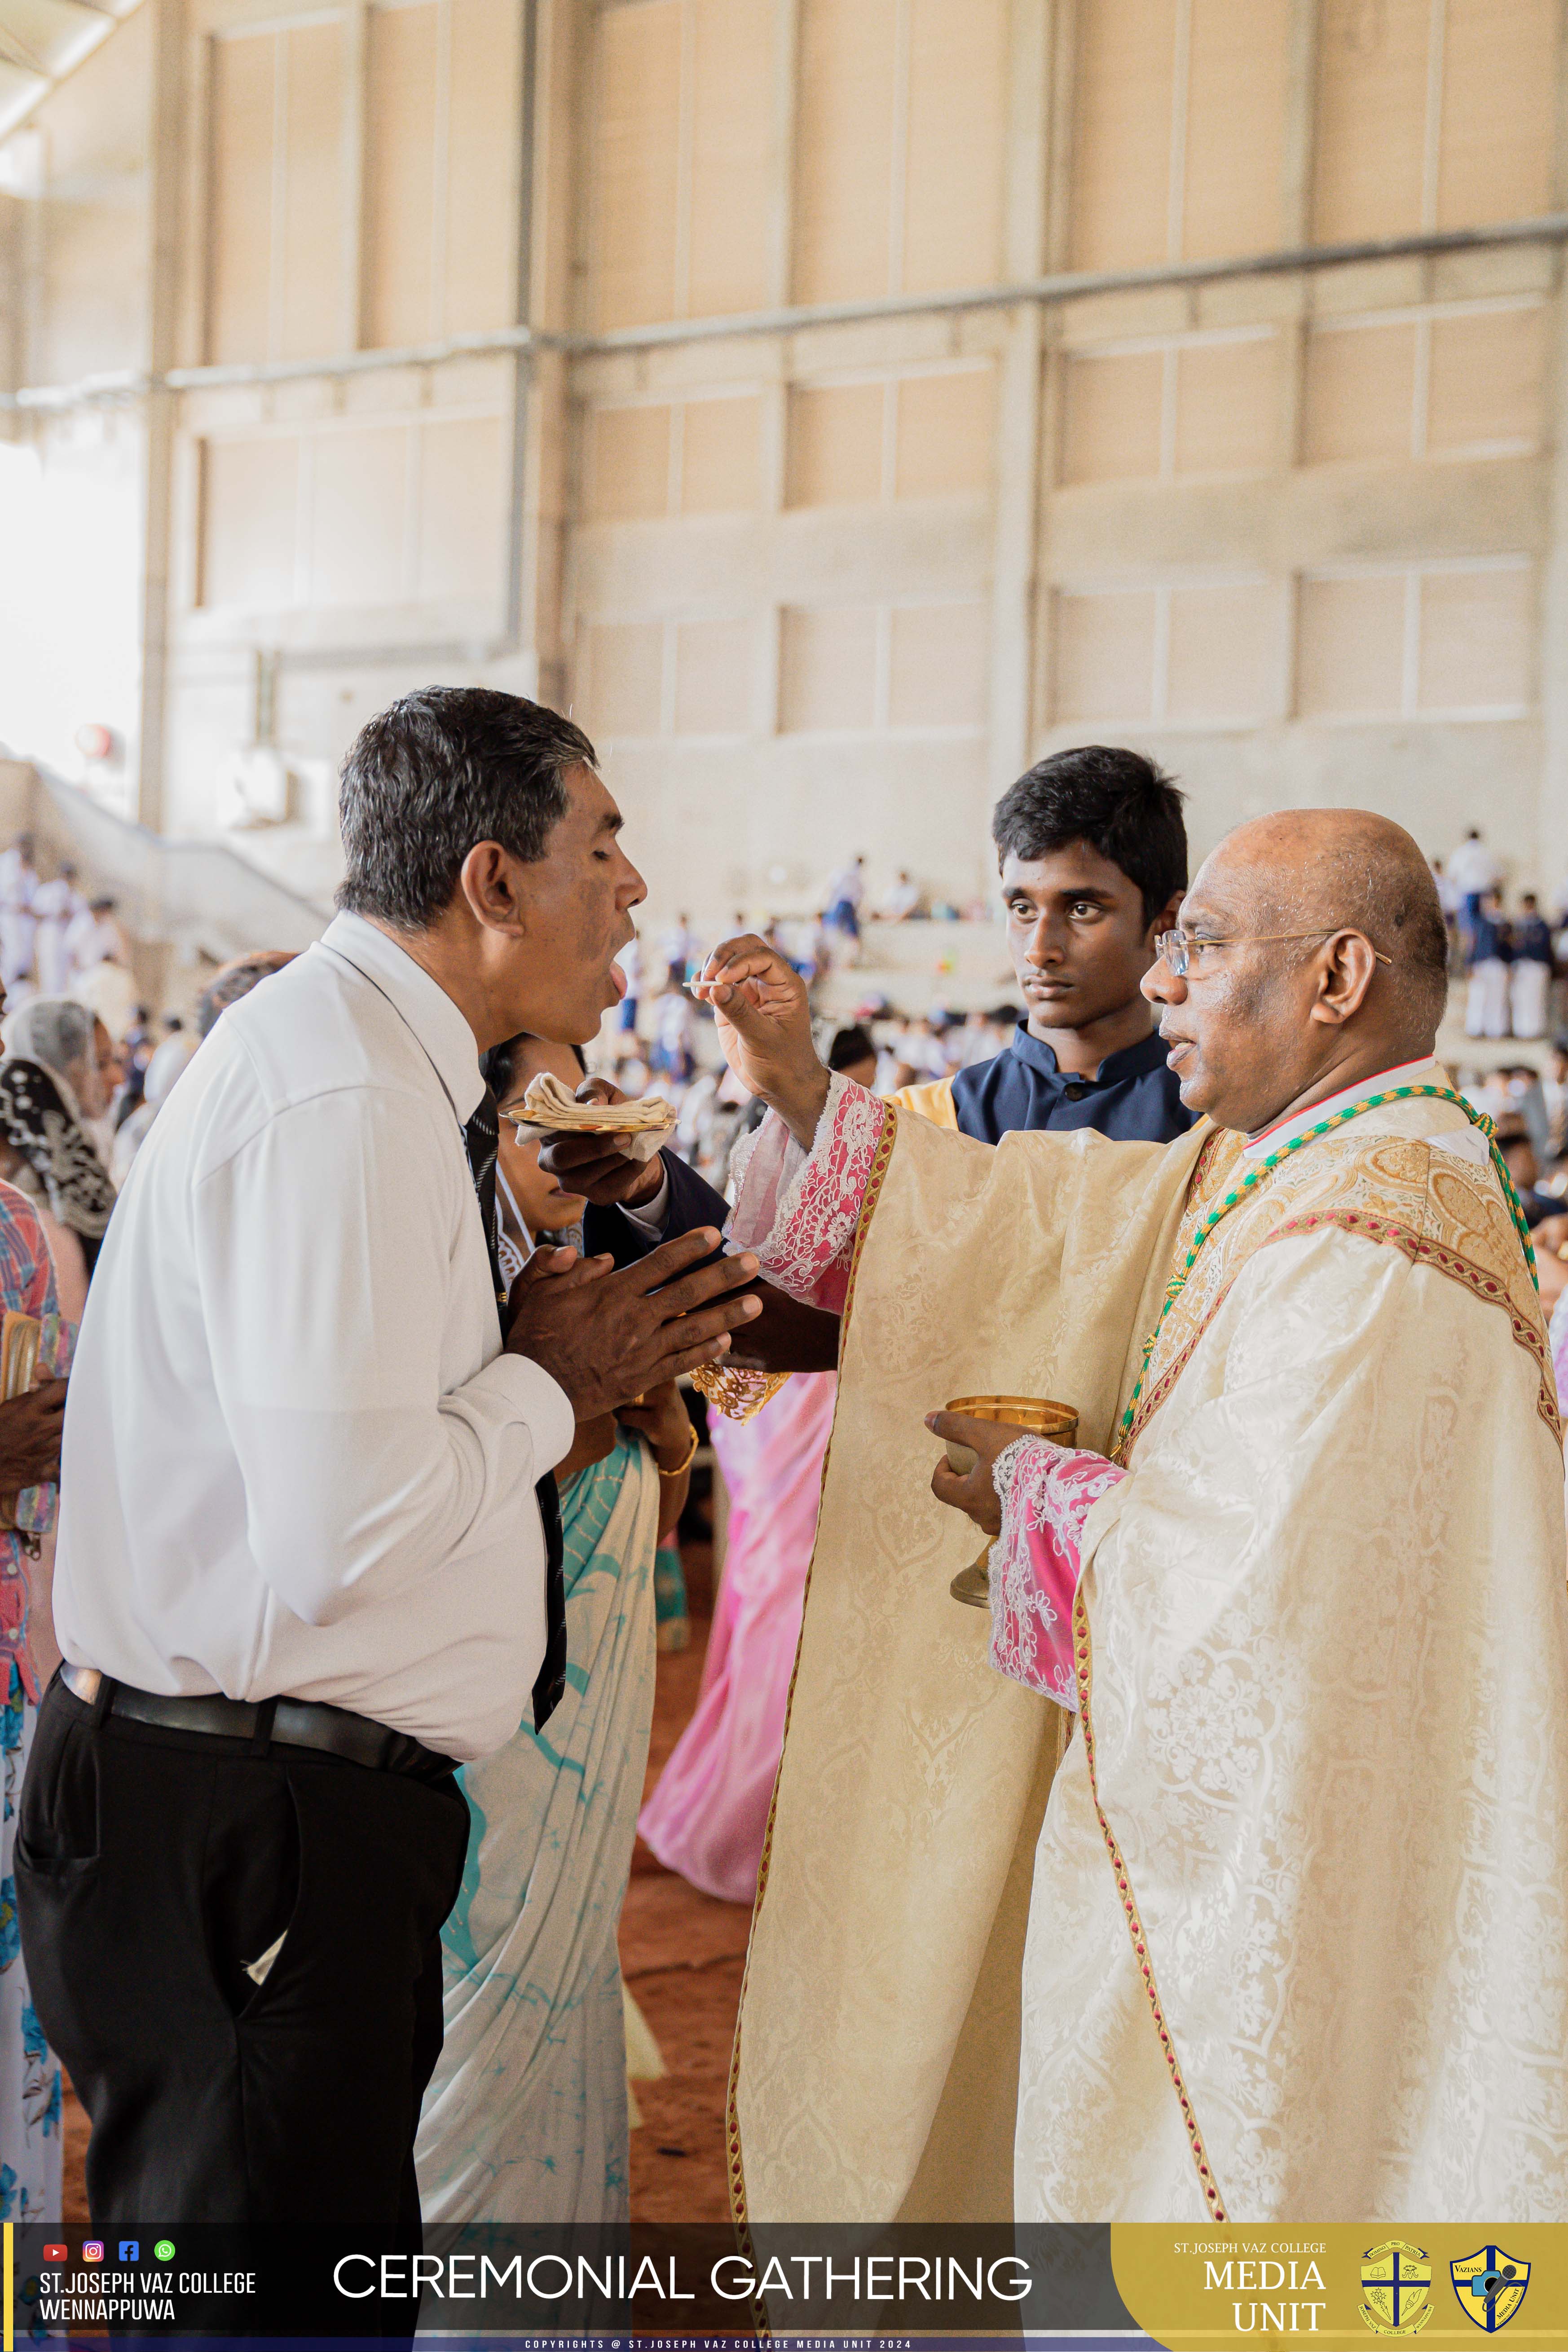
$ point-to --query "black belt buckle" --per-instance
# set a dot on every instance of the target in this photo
(332, 1730)
(310, 1723)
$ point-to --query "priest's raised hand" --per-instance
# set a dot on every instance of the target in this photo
(763, 1021)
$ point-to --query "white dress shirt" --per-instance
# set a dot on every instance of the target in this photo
(296, 1462)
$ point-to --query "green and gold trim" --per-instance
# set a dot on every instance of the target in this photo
(1423, 1249)
(1265, 1167)
(1083, 1661)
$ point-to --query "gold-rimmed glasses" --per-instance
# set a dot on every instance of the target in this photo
(1177, 948)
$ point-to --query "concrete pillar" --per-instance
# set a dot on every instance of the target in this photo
(1296, 230)
(550, 221)
(1551, 831)
(780, 291)
(1016, 559)
(1295, 214)
(356, 60)
(165, 184)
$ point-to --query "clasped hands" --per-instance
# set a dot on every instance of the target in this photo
(607, 1338)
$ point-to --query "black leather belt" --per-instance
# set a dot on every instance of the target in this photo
(277, 1722)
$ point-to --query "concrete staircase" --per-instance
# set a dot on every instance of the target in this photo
(187, 905)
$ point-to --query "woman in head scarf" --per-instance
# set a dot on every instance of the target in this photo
(59, 1073)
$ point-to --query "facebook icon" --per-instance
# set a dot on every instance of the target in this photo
(130, 2249)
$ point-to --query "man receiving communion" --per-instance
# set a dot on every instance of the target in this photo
(1288, 1942)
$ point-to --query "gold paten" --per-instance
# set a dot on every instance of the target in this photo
(1042, 1417)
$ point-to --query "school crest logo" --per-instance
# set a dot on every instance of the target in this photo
(1490, 2286)
(1395, 2288)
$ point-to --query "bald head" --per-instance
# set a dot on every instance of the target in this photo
(1331, 869)
(1316, 956)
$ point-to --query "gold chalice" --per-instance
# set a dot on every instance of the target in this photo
(1042, 1417)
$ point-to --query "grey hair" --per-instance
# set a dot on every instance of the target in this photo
(437, 772)
(54, 1030)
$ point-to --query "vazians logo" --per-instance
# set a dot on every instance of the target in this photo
(1490, 2286)
(1395, 2288)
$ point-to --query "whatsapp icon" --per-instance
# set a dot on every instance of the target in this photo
(164, 2250)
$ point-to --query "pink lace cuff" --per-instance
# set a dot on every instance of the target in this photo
(1047, 1492)
(798, 1210)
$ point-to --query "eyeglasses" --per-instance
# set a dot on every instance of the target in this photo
(1177, 949)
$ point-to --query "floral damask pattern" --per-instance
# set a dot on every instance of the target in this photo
(1329, 1697)
(1204, 1729)
(1393, 1187)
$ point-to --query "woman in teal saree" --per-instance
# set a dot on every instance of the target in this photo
(525, 2117)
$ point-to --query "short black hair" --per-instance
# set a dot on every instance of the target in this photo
(1126, 808)
(849, 1046)
(498, 1063)
(438, 771)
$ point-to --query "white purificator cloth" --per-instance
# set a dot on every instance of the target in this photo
(550, 1107)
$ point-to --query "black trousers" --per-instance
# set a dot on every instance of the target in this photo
(151, 1866)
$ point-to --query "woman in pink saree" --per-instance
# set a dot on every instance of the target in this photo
(709, 1814)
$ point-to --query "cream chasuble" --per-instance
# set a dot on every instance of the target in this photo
(1296, 1943)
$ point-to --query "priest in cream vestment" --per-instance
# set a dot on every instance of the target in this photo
(1224, 1874)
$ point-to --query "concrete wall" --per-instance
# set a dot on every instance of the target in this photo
(72, 481)
(826, 585)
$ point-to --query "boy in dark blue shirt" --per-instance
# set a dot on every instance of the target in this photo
(1092, 853)
(1093, 859)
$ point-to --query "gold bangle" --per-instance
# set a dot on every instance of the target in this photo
(687, 1459)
